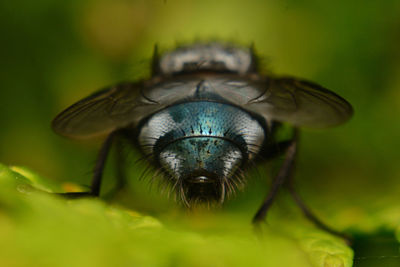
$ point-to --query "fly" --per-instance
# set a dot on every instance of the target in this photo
(203, 118)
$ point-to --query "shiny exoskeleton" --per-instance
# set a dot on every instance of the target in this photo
(202, 118)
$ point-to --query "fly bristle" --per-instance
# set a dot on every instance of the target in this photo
(195, 195)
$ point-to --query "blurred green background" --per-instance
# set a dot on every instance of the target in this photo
(54, 53)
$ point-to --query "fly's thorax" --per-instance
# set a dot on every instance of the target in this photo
(208, 56)
(201, 146)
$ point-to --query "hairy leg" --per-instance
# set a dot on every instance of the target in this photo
(120, 173)
(284, 172)
(285, 177)
(98, 170)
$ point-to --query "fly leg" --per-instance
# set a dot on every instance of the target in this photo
(304, 208)
(285, 171)
(285, 177)
(120, 174)
(98, 171)
(310, 215)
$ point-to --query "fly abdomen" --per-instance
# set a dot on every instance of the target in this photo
(201, 145)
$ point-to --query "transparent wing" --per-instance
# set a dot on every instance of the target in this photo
(123, 105)
(103, 112)
(300, 103)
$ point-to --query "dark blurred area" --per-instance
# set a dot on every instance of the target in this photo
(53, 53)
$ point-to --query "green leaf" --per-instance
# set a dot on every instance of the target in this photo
(40, 229)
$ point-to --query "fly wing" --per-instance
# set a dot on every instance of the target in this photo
(103, 112)
(300, 103)
(121, 106)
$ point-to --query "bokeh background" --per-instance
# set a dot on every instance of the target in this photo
(54, 53)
